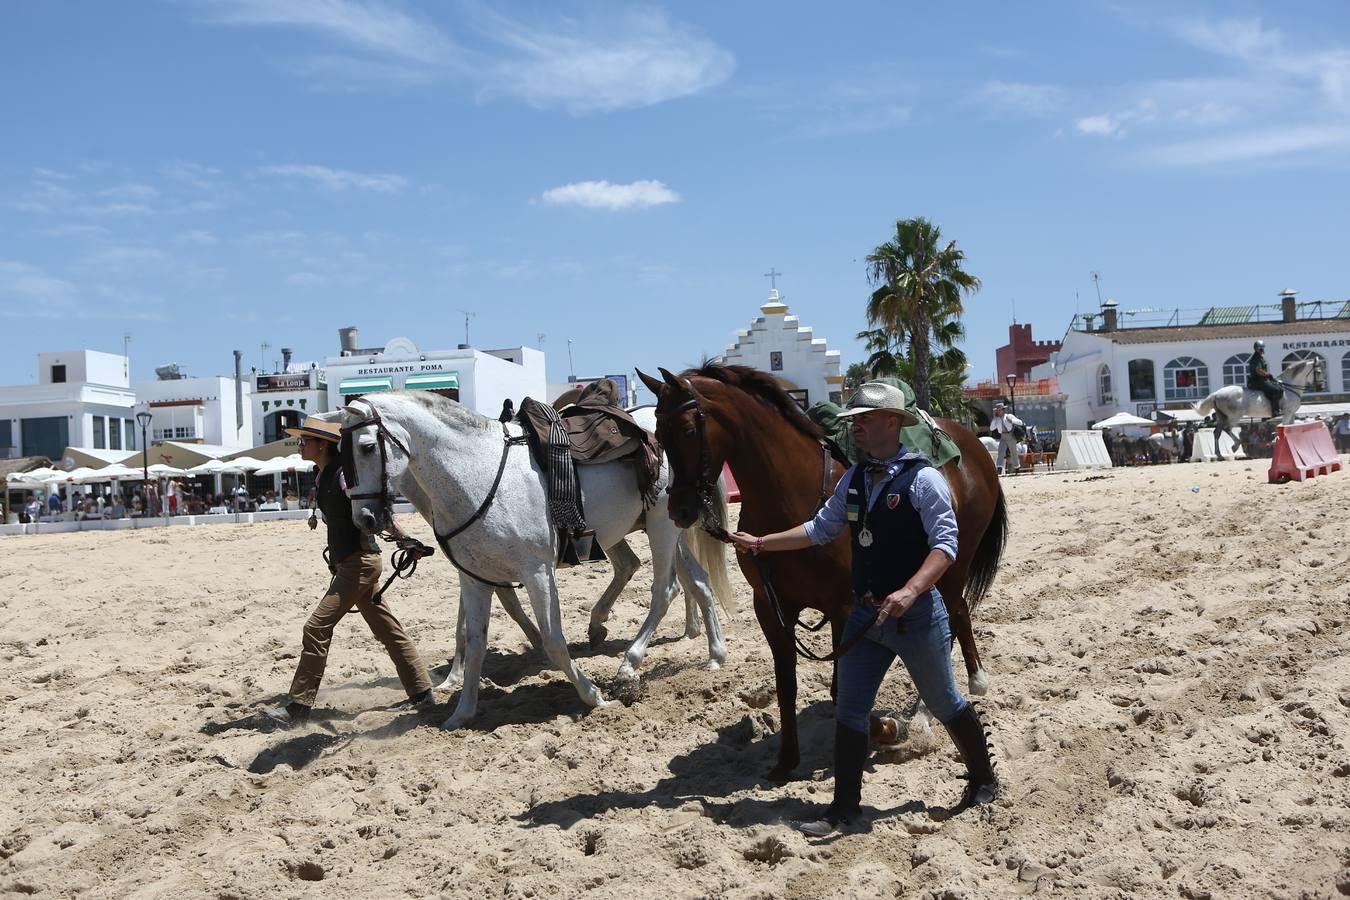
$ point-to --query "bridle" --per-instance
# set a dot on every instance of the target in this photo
(386, 495)
(707, 479)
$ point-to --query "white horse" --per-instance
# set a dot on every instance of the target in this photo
(1234, 402)
(479, 487)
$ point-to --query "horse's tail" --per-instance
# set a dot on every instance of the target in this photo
(988, 555)
(1205, 406)
(711, 553)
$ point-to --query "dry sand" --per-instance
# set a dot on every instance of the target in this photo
(1170, 703)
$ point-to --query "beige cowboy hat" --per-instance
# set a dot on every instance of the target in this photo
(877, 396)
(317, 428)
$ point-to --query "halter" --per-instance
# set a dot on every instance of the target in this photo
(704, 486)
(386, 496)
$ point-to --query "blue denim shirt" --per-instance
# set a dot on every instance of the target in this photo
(930, 495)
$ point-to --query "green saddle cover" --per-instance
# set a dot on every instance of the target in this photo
(937, 446)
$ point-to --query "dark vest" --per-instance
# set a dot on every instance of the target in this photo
(899, 542)
(344, 538)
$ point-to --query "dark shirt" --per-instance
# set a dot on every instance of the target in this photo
(1258, 361)
(344, 538)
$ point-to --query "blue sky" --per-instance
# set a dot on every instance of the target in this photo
(218, 174)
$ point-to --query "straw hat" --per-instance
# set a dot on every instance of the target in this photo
(877, 396)
(317, 428)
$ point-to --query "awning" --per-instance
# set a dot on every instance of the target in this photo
(433, 381)
(363, 385)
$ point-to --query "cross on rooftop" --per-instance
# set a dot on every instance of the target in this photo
(772, 275)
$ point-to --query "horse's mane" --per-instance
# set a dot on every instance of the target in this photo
(449, 411)
(763, 388)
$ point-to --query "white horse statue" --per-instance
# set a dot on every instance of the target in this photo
(1234, 402)
(477, 484)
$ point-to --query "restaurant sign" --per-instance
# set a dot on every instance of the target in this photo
(284, 382)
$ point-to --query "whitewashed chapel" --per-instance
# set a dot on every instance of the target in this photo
(778, 344)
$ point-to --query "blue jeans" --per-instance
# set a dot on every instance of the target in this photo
(924, 645)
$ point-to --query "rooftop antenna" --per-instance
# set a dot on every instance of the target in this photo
(1097, 280)
(467, 316)
(571, 369)
(126, 355)
(1014, 309)
(539, 340)
(262, 355)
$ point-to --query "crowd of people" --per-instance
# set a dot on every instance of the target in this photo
(177, 499)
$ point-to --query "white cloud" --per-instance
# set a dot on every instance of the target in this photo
(1251, 146)
(1103, 125)
(73, 230)
(198, 236)
(124, 258)
(305, 279)
(130, 192)
(338, 180)
(1015, 98)
(370, 26)
(29, 283)
(1113, 125)
(603, 195)
(636, 59)
(116, 209)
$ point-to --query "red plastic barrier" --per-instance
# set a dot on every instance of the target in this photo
(733, 490)
(1303, 451)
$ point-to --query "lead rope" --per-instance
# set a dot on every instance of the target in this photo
(405, 557)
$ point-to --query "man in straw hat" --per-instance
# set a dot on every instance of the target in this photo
(898, 509)
(1003, 426)
(354, 559)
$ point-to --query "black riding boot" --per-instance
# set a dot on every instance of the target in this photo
(971, 739)
(850, 755)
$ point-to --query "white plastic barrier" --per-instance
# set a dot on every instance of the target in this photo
(1203, 448)
(1081, 450)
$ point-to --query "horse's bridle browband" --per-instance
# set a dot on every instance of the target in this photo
(386, 495)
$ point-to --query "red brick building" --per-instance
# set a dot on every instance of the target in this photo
(1021, 353)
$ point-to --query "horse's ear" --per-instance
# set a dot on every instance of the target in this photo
(654, 385)
(670, 379)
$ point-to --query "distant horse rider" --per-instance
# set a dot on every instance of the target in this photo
(1003, 426)
(1260, 379)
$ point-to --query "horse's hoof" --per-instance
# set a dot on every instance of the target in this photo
(714, 665)
(454, 723)
(979, 683)
(597, 635)
(627, 673)
(451, 683)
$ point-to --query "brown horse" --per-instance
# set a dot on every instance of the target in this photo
(741, 417)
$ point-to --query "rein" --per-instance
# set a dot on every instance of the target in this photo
(706, 480)
(410, 550)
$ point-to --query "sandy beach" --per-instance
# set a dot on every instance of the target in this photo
(1170, 706)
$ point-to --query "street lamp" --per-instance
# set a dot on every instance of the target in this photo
(1011, 378)
(143, 418)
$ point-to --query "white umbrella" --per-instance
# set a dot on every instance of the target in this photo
(78, 476)
(282, 464)
(109, 473)
(210, 467)
(36, 476)
(242, 464)
(160, 470)
(1122, 420)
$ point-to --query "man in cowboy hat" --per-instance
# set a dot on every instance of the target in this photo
(1003, 427)
(354, 559)
(898, 509)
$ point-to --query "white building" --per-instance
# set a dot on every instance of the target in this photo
(479, 379)
(83, 398)
(777, 343)
(198, 410)
(281, 400)
(1139, 369)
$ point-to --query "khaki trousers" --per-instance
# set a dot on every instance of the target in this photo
(355, 582)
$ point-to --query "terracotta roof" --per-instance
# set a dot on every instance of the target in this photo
(1253, 330)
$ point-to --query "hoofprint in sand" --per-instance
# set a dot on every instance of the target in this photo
(1171, 712)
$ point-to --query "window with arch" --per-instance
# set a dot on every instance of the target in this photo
(1104, 397)
(1185, 378)
(1235, 369)
(1141, 380)
(1320, 384)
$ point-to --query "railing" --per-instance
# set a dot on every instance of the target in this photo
(1167, 317)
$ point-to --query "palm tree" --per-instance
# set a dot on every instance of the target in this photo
(919, 285)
